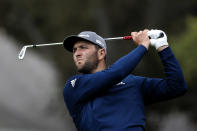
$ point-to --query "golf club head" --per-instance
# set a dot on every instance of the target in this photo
(22, 53)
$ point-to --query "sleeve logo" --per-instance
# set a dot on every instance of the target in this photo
(121, 83)
(73, 82)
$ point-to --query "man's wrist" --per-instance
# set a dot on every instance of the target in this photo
(145, 44)
(162, 48)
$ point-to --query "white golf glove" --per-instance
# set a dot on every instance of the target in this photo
(158, 38)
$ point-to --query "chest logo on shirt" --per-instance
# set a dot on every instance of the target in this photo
(121, 83)
(73, 82)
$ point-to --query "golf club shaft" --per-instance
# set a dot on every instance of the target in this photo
(119, 38)
(107, 39)
(49, 44)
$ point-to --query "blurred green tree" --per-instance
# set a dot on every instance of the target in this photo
(184, 46)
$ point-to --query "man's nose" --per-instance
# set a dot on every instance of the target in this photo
(77, 52)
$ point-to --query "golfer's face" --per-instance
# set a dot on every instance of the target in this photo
(84, 54)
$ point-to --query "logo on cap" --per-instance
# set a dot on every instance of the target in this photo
(84, 35)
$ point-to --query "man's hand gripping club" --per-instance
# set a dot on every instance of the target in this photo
(157, 38)
(141, 38)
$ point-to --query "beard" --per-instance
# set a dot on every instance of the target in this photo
(89, 65)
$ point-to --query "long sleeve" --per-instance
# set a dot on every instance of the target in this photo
(82, 87)
(172, 86)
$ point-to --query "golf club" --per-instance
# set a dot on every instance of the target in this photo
(23, 50)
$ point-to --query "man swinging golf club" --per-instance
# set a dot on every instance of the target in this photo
(112, 99)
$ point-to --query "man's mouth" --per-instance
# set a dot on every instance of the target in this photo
(79, 61)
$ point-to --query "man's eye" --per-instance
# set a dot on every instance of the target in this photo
(84, 47)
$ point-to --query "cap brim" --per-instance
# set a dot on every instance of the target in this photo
(69, 42)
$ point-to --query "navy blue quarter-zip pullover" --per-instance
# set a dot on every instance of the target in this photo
(114, 100)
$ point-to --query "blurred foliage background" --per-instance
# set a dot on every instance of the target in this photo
(47, 21)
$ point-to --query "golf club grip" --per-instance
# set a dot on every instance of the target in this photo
(127, 38)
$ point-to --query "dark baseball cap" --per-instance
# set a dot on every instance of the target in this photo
(89, 36)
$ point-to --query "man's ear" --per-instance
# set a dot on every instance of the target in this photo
(101, 54)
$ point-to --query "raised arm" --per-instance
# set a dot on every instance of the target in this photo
(173, 85)
(81, 87)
